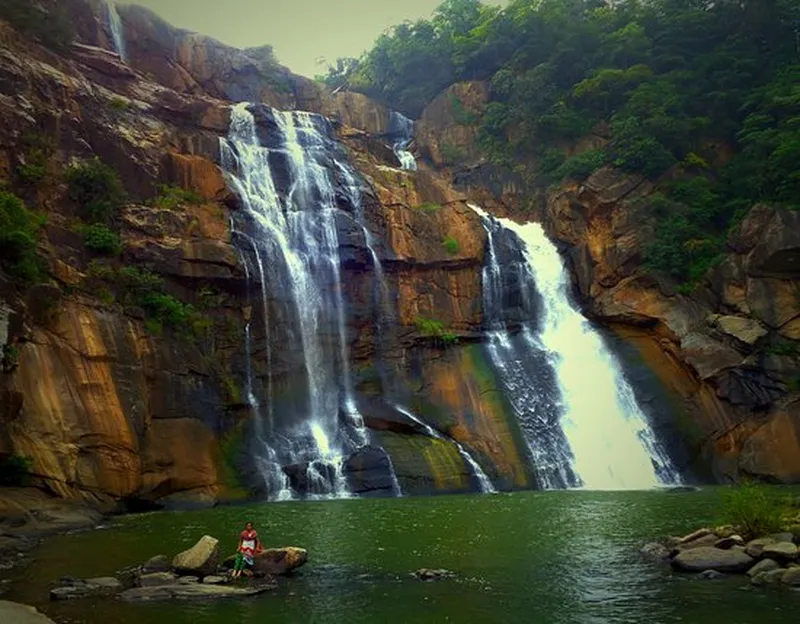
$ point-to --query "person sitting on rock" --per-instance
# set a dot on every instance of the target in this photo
(249, 545)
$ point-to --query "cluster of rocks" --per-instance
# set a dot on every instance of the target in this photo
(193, 573)
(771, 559)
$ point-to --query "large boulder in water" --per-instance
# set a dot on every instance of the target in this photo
(279, 561)
(709, 558)
(200, 560)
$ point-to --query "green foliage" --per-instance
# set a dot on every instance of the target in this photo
(37, 149)
(144, 289)
(52, 27)
(10, 359)
(784, 348)
(431, 328)
(99, 239)
(96, 190)
(451, 245)
(663, 78)
(173, 197)
(750, 507)
(461, 115)
(19, 232)
(581, 166)
(429, 207)
(118, 104)
(15, 470)
(452, 154)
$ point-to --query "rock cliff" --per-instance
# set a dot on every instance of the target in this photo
(114, 406)
(726, 354)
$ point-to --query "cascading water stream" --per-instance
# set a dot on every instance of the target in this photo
(484, 483)
(401, 128)
(598, 437)
(117, 31)
(289, 210)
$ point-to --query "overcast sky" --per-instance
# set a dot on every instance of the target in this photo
(301, 31)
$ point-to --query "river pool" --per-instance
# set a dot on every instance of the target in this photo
(549, 557)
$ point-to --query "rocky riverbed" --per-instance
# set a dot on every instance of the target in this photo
(193, 573)
(712, 553)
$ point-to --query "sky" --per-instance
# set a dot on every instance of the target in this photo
(303, 32)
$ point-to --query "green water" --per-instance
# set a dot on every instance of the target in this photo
(551, 557)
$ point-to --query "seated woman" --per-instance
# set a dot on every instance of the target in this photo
(249, 545)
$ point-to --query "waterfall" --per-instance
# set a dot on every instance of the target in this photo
(117, 31)
(401, 129)
(289, 212)
(593, 433)
(484, 483)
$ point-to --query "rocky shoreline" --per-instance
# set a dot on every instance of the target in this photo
(713, 553)
(193, 573)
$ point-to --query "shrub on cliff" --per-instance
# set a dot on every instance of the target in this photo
(15, 470)
(96, 190)
(19, 231)
(51, 27)
(100, 239)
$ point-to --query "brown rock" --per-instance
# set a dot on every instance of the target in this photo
(276, 561)
(447, 129)
(746, 330)
(200, 560)
(706, 558)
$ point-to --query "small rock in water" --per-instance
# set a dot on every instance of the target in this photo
(156, 579)
(215, 580)
(770, 577)
(655, 551)
(427, 574)
(726, 543)
(159, 563)
(755, 548)
(791, 577)
(710, 575)
(695, 535)
(782, 551)
(765, 565)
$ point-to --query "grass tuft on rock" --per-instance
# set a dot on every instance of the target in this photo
(752, 509)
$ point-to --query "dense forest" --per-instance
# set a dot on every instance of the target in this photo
(702, 96)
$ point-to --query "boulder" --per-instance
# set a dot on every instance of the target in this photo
(709, 558)
(215, 580)
(710, 575)
(159, 563)
(701, 542)
(726, 530)
(188, 580)
(694, 536)
(156, 579)
(746, 330)
(184, 591)
(755, 548)
(279, 561)
(655, 551)
(200, 560)
(791, 577)
(770, 577)
(15, 613)
(726, 543)
(782, 551)
(765, 565)
(72, 589)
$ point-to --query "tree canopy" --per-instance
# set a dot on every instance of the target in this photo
(706, 89)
